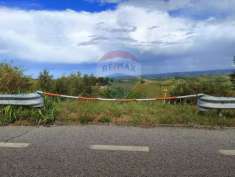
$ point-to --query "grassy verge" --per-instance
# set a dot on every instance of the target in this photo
(21, 115)
(139, 114)
(146, 114)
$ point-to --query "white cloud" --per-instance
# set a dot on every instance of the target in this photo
(75, 37)
(191, 5)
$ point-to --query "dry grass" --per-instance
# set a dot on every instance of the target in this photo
(138, 114)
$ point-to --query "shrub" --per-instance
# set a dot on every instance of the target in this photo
(86, 118)
(45, 81)
(218, 86)
(105, 119)
(13, 79)
(115, 92)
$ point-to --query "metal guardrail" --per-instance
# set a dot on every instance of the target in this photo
(206, 102)
(31, 99)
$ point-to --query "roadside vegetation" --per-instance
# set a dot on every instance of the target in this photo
(132, 113)
(145, 114)
(23, 115)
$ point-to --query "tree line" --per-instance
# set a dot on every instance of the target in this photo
(13, 80)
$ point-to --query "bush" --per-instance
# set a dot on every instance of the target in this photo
(86, 118)
(105, 119)
(135, 94)
(45, 81)
(76, 84)
(217, 86)
(13, 79)
(115, 92)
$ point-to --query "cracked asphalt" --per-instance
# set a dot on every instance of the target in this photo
(63, 151)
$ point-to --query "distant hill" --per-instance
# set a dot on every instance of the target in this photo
(190, 74)
(176, 74)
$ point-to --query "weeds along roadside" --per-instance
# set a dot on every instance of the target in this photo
(139, 114)
(29, 115)
(130, 113)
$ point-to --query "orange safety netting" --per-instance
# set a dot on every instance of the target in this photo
(105, 99)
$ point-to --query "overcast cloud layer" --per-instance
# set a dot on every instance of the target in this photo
(158, 32)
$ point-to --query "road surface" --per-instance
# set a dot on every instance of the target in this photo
(112, 151)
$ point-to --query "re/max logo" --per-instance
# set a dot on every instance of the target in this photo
(118, 67)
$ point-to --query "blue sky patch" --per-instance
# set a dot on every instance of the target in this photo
(80, 5)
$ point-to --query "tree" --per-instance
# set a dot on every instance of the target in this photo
(75, 84)
(87, 85)
(216, 85)
(45, 81)
(61, 85)
(232, 79)
(13, 80)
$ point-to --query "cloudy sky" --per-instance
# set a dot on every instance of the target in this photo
(70, 35)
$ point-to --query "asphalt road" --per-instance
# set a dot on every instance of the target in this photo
(65, 151)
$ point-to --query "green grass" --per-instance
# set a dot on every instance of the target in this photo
(147, 114)
(23, 115)
(139, 114)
